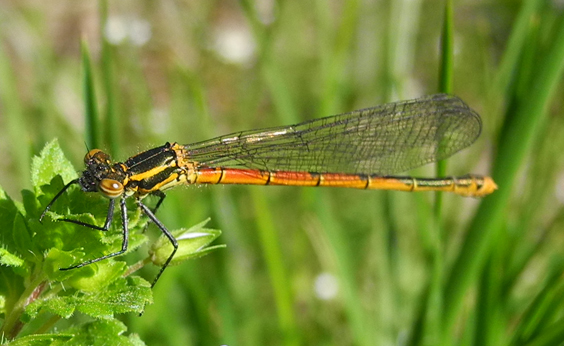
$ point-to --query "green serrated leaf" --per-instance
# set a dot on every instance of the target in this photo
(11, 287)
(90, 278)
(56, 259)
(51, 162)
(9, 259)
(103, 273)
(22, 239)
(8, 212)
(16, 241)
(61, 306)
(104, 333)
(121, 296)
(40, 339)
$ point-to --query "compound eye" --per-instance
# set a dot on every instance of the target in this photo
(95, 154)
(111, 188)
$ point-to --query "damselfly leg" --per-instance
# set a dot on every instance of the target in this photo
(125, 227)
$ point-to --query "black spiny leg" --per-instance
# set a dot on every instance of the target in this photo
(107, 224)
(165, 231)
(48, 207)
(125, 242)
(161, 196)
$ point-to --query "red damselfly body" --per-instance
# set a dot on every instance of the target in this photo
(361, 149)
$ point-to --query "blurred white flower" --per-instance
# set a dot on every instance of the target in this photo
(160, 121)
(115, 30)
(234, 44)
(326, 286)
(118, 29)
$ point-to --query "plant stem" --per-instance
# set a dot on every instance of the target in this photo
(12, 324)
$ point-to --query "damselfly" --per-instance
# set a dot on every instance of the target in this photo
(360, 149)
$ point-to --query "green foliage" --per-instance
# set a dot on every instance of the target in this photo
(35, 289)
(408, 268)
(102, 302)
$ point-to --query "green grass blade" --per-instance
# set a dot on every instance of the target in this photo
(446, 71)
(335, 49)
(543, 312)
(92, 119)
(515, 142)
(272, 76)
(359, 324)
(389, 252)
(428, 323)
(277, 272)
(553, 335)
(111, 128)
(447, 50)
(269, 239)
(515, 46)
(13, 118)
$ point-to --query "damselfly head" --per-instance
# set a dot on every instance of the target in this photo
(96, 155)
(101, 175)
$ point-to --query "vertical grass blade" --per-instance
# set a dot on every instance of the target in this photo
(276, 270)
(360, 325)
(269, 239)
(537, 323)
(111, 128)
(515, 46)
(447, 51)
(428, 324)
(335, 48)
(515, 142)
(272, 75)
(13, 118)
(445, 82)
(92, 120)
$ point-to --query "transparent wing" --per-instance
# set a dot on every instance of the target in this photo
(386, 139)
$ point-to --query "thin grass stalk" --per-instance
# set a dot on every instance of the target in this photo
(111, 128)
(511, 55)
(269, 241)
(268, 234)
(434, 307)
(14, 119)
(446, 71)
(91, 117)
(335, 46)
(515, 142)
(542, 319)
(272, 76)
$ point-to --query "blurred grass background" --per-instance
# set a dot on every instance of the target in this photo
(314, 266)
